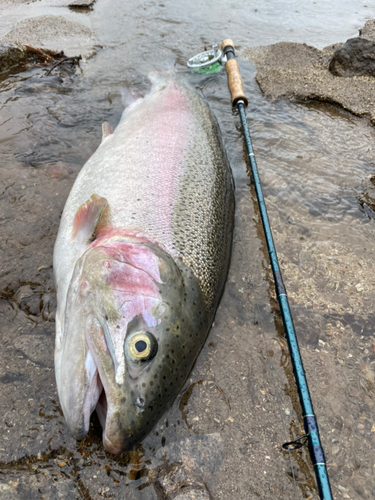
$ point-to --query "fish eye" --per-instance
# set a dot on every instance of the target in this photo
(141, 346)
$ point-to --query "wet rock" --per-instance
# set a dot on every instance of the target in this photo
(24, 292)
(300, 72)
(201, 453)
(37, 348)
(355, 58)
(181, 483)
(8, 492)
(82, 4)
(56, 33)
(10, 55)
(368, 30)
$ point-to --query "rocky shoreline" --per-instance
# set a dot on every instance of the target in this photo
(299, 72)
(31, 39)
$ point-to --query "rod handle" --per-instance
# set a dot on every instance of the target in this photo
(235, 83)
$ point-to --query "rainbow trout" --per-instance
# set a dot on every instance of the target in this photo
(140, 263)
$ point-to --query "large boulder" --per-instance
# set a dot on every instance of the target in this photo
(355, 58)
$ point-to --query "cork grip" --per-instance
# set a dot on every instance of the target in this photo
(234, 77)
(235, 82)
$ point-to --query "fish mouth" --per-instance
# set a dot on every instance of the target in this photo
(96, 397)
(103, 397)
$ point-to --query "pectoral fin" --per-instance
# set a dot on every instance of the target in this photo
(90, 218)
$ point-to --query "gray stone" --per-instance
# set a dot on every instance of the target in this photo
(368, 30)
(82, 4)
(10, 55)
(8, 492)
(55, 33)
(355, 58)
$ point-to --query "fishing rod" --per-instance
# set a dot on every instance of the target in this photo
(310, 423)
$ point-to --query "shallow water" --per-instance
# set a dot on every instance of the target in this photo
(240, 402)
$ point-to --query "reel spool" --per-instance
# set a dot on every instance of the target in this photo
(206, 62)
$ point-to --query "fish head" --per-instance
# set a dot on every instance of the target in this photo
(134, 324)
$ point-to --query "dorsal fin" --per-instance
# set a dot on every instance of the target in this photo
(89, 218)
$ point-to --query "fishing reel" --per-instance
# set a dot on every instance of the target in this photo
(207, 62)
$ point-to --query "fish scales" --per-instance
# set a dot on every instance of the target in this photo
(140, 262)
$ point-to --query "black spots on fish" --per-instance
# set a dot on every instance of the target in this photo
(117, 326)
(106, 317)
(155, 376)
(159, 396)
(167, 329)
(152, 393)
(151, 383)
(163, 441)
(143, 384)
(177, 327)
(123, 400)
(171, 383)
(132, 393)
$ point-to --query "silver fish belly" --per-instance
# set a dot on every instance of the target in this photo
(140, 263)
